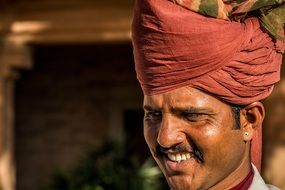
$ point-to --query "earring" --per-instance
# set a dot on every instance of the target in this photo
(246, 133)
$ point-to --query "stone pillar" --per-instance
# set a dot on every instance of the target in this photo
(7, 169)
(12, 57)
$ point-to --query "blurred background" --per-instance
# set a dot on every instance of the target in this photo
(70, 105)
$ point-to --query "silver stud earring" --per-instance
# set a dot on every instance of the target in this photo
(246, 133)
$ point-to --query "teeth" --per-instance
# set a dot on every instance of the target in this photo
(171, 157)
(179, 157)
(188, 156)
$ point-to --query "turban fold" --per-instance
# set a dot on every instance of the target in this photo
(237, 10)
(175, 46)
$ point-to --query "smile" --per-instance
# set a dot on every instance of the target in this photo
(180, 157)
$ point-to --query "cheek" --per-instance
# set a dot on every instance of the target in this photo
(218, 138)
(223, 143)
(210, 132)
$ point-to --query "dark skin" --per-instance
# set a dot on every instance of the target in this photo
(191, 136)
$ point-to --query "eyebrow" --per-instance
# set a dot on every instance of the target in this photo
(191, 109)
(150, 108)
(186, 109)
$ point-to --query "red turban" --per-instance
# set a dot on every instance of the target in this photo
(174, 47)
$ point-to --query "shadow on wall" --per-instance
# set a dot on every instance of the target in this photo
(274, 136)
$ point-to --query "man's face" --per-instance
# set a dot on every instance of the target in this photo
(191, 136)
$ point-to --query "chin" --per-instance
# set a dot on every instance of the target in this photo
(182, 183)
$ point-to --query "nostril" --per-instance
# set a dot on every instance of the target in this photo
(168, 140)
(170, 131)
(162, 149)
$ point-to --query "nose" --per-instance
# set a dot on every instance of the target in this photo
(170, 132)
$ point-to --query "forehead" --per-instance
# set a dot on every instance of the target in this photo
(186, 96)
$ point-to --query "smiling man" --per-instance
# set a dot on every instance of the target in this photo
(204, 66)
(196, 140)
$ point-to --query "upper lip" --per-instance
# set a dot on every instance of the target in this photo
(172, 151)
(180, 156)
(165, 152)
(175, 155)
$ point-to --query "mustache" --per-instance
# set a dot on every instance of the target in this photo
(198, 155)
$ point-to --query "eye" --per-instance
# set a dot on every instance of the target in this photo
(194, 117)
(152, 116)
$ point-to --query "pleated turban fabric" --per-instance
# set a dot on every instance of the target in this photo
(215, 46)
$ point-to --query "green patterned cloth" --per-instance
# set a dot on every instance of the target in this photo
(270, 12)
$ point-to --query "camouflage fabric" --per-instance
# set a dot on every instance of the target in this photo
(270, 12)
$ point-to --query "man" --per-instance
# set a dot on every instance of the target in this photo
(204, 66)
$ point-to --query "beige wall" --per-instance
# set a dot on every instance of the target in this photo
(274, 135)
(74, 98)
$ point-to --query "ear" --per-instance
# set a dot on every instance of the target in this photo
(251, 118)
